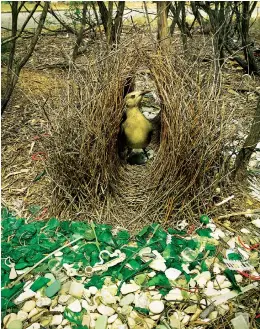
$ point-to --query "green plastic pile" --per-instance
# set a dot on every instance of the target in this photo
(27, 244)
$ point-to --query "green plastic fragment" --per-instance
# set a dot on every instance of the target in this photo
(159, 280)
(21, 266)
(39, 176)
(53, 289)
(231, 277)
(39, 283)
(140, 279)
(34, 209)
(234, 256)
(96, 281)
(204, 219)
(142, 310)
(204, 232)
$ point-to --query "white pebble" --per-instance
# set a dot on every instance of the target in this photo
(35, 325)
(172, 273)
(56, 320)
(75, 306)
(76, 289)
(128, 288)
(28, 306)
(24, 296)
(112, 318)
(105, 310)
(45, 301)
(157, 306)
(158, 265)
(127, 300)
(8, 318)
(93, 290)
(33, 312)
(21, 315)
(63, 299)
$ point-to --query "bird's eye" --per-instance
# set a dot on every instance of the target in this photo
(133, 96)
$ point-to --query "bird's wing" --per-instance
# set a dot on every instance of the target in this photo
(121, 138)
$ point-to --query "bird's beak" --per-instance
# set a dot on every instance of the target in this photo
(145, 92)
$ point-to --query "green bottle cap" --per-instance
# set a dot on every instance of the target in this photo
(204, 219)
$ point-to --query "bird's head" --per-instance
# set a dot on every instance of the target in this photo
(134, 98)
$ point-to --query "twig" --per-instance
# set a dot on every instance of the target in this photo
(248, 212)
(225, 201)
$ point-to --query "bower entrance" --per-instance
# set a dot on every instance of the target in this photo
(92, 182)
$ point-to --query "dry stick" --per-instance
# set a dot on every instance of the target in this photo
(41, 261)
(249, 212)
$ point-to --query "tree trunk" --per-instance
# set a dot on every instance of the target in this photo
(81, 31)
(183, 26)
(110, 33)
(246, 14)
(162, 21)
(176, 15)
(118, 21)
(13, 72)
(251, 141)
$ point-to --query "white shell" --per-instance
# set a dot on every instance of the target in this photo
(172, 273)
(128, 288)
(12, 274)
(44, 301)
(35, 325)
(202, 279)
(76, 289)
(174, 294)
(56, 320)
(58, 254)
(63, 299)
(75, 306)
(112, 318)
(256, 222)
(245, 231)
(127, 300)
(8, 318)
(85, 304)
(151, 274)
(142, 300)
(24, 296)
(156, 306)
(107, 296)
(28, 306)
(21, 315)
(158, 265)
(93, 290)
(185, 319)
(58, 308)
(33, 312)
(105, 310)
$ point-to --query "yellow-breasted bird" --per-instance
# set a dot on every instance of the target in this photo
(136, 130)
